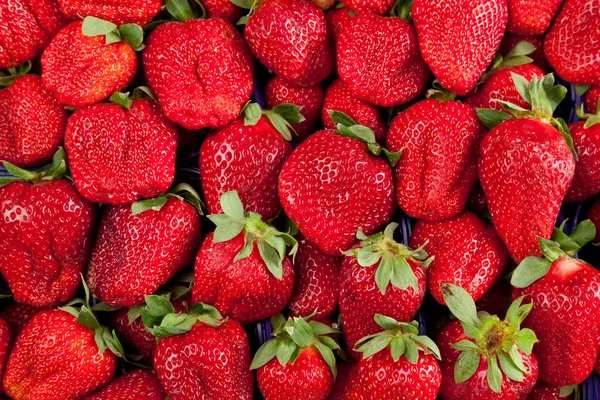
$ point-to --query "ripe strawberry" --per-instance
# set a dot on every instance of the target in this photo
(458, 38)
(380, 7)
(6, 340)
(119, 154)
(510, 41)
(222, 9)
(336, 19)
(367, 271)
(497, 300)
(592, 99)
(118, 12)
(140, 247)
(594, 216)
(436, 170)
(378, 60)
(298, 363)
(138, 384)
(345, 374)
(18, 315)
(27, 27)
(563, 290)
(391, 366)
(543, 391)
(46, 234)
(32, 123)
(289, 37)
(526, 166)
(465, 251)
(531, 17)
(472, 347)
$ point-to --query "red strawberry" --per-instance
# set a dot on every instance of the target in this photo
(26, 29)
(289, 37)
(592, 99)
(594, 216)
(138, 384)
(465, 251)
(6, 340)
(510, 41)
(436, 171)
(380, 7)
(118, 12)
(32, 123)
(336, 19)
(223, 9)
(18, 315)
(345, 374)
(458, 38)
(543, 391)
(473, 346)
(46, 235)
(531, 17)
(497, 300)
(565, 293)
(378, 60)
(317, 281)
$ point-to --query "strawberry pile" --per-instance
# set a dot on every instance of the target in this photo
(299, 199)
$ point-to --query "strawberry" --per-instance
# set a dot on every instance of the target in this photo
(6, 341)
(345, 373)
(140, 247)
(118, 12)
(562, 290)
(379, 61)
(473, 346)
(367, 271)
(46, 234)
(465, 252)
(458, 38)
(592, 99)
(317, 285)
(310, 98)
(531, 17)
(225, 9)
(138, 384)
(510, 41)
(242, 268)
(543, 391)
(526, 166)
(339, 98)
(380, 7)
(496, 300)
(32, 123)
(436, 171)
(298, 363)
(336, 19)
(82, 67)
(594, 216)
(289, 37)
(17, 315)
(391, 366)
(26, 29)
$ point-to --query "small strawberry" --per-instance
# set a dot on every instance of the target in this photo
(138, 384)
(336, 19)
(594, 216)
(473, 346)
(531, 17)
(539, 60)
(18, 315)
(543, 391)
(380, 7)
(6, 340)
(118, 12)
(592, 99)
(458, 38)
(225, 9)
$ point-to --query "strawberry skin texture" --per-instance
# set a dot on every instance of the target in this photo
(378, 60)
(466, 252)
(203, 88)
(135, 254)
(531, 17)
(18, 315)
(222, 9)
(437, 169)
(572, 45)
(380, 7)
(6, 341)
(26, 27)
(133, 335)
(586, 181)
(119, 12)
(310, 98)
(332, 185)
(339, 98)
(510, 40)
(244, 290)
(543, 391)
(458, 38)
(118, 156)
(55, 358)
(592, 97)
(246, 159)
(81, 70)
(138, 384)
(594, 216)
(206, 363)
(46, 236)
(32, 123)
(566, 320)
(525, 168)
(289, 37)
(308, 377)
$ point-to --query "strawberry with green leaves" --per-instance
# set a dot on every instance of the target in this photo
(118, 12)
(510, 41)
(138, 384)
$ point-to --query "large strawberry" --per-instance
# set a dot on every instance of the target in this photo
(118, 12)
(531, 17)
(484, 357)
(565, 293)
(510, 41)
(32, 123)
(46, 234)
(592, 99)
(458, 38)
(139, 384)
(526, 166)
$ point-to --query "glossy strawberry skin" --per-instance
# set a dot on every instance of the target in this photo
(594, 216)
(592, 97)
(205, 363)
(457, 43)
(32, 123)
(586, 181)
(203, 88)
(81, 70)
(222, 9)
(289, 37)
(332, 185)
(436, 170)
(380, 7)
(118, 156)
(138, 384)
(46, 237)
(539, 59)
(56, 358)
(246, 159)
(525, 168)
(543, 391)
(336, 19)
(386, 74)
(6, 340)
(118, 12)
(17, 315)
(531, 17)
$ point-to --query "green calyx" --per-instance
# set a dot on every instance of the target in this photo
(402, 9)
(272, 244)
(518, 55)
(402, 338)
(439, 93)
(183, 10)
(591, 119)
(347, 127)
(498, 341)
(130, 33)
(12, 74)
(126, 99)
(560, 245)
(293, 336)
(390, 257)
(566, 391)
(183, 192)
(249, 5)
(57, 170)
(281, 117)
